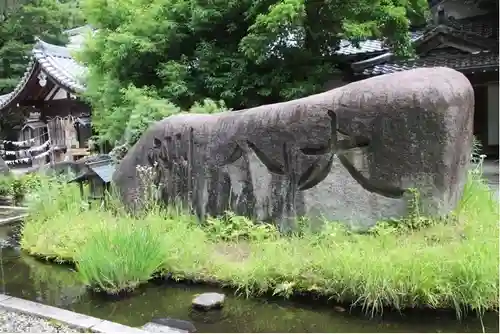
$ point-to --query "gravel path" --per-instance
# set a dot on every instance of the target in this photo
(20, 323)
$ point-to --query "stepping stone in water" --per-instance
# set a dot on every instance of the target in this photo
(210, 300)
(156, 328)
(175, 323)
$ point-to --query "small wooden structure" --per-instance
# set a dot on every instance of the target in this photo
(98, 176)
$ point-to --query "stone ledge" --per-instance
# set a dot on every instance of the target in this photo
(69, 318)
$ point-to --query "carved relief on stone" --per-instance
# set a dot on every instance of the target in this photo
(347, 154)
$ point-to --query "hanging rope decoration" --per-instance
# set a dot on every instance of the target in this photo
(59, 132)
(25, 156)
(21, 144)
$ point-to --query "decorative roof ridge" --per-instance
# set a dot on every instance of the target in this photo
(52, 49)
(376, 46)
(359, 66)
(78, 30)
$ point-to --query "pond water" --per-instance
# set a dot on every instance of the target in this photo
(23, 276)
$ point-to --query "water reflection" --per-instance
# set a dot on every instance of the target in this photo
(23, 276)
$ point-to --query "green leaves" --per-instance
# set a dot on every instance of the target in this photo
(275, 26)
(244, 52)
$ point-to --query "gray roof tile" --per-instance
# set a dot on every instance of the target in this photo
(369, 46)
(485, 26)
(445, 58)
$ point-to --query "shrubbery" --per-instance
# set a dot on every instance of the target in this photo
(449, 263)
(17, 186)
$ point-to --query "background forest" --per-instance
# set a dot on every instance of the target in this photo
(148, 59)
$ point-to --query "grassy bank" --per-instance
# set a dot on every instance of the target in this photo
(442, 264)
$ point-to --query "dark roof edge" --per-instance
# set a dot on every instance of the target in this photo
(359, 66)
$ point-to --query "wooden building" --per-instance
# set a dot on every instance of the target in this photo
(48, 94)
(461, 36)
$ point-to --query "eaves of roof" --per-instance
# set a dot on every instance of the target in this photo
(57, 63)
(465, 63)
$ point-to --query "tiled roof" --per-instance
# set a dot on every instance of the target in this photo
(463, 62)
(370, 46)
(56, 62)
(485, 26)
(77, 36)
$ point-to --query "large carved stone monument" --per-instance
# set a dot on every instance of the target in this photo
(349, 154)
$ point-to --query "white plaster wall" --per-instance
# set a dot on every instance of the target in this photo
(493, 114)
(60, 95)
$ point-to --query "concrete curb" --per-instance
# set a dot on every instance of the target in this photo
(13, 220)
(19, 208)
(69, 318)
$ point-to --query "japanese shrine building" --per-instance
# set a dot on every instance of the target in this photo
(48, 93)
(463, 37)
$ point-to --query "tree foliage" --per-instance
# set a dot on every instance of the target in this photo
(244, 52)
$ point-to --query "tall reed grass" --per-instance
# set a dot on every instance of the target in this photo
(118, 257)
(447, 264)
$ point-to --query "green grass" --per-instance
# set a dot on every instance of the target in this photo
(120, 256)
(448, 264)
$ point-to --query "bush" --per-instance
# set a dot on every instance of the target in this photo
(19, 187)
(237, 228)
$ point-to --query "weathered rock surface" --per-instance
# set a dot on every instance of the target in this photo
(349, 154)
(210, 300)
